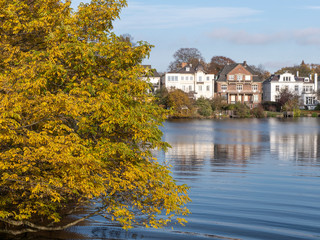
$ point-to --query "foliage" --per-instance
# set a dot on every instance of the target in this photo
(288, 100)
(261, 72)
(179, 102)
(258, 111)
(76, 123)
(127, 38)
(271, 106)
(161, 96)
(218, 62)
(204, 107)
(186, 55)
(296, 112)
(240, 110)
(303, 69)
(218, 103)
(317, 107)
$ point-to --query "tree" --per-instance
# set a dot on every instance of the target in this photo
(288, 100)
(204, 107)
(304, 70)
(179, 101)
(186, 55)
(127, 38)
(260, 71)
(219, 103)
(218, 62)
(76, 123)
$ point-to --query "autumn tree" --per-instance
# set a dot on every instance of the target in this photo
(218, 62)
(76, 123)
(303, 69)
(179, 101)
(186, 55)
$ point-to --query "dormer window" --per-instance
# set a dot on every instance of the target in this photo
(306, 79)
(231, 77)
(187, 69)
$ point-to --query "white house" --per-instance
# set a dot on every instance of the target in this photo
(193, 80)
(305, 87)
(154, 78)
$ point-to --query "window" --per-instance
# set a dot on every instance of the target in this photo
(255, 98)
(239, 87)
(286, 87)
(182, 78)
(187, 78)
(310, 100)
(296, 88)
(208, 78)
(184, 88)
(191, 78)
(248, 77)
(254, 87)
(200, 78)
(208, 88)
(277, 88)
(224, 87)
(307, 89)
(277, 98)
(187, 69)
(239, 77)
(190, 88)
(231, 77)
(200, 87)
(176, 78)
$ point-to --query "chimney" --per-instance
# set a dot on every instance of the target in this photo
(184, 64)
(297, 73)
(245, 63)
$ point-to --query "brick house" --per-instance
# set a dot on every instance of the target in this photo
(239, 83)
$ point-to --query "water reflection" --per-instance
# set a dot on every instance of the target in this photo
(211, 141)
(237, 142)
(290, 142)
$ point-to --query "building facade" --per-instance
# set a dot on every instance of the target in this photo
(193, 80)
(239, 83)
(154, 78)
(305, 87)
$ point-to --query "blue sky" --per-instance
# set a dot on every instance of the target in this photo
(273, 33)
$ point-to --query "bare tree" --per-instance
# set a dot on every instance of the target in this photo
(218, 62)
(186, 55)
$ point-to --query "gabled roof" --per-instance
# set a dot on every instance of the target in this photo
(222, 75)
(189, 69)
(186, 69)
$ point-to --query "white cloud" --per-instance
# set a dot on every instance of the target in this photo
(169, 16)
(308, 36)
(313, 7)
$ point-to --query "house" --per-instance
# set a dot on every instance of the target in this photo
(305, 87)
(193, 80)
(239, 83)
(154, 78)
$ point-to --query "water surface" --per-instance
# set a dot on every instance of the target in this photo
(249, 179)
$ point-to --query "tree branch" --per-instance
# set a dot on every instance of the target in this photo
(34, 228)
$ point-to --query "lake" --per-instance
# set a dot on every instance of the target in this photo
(249, 179)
